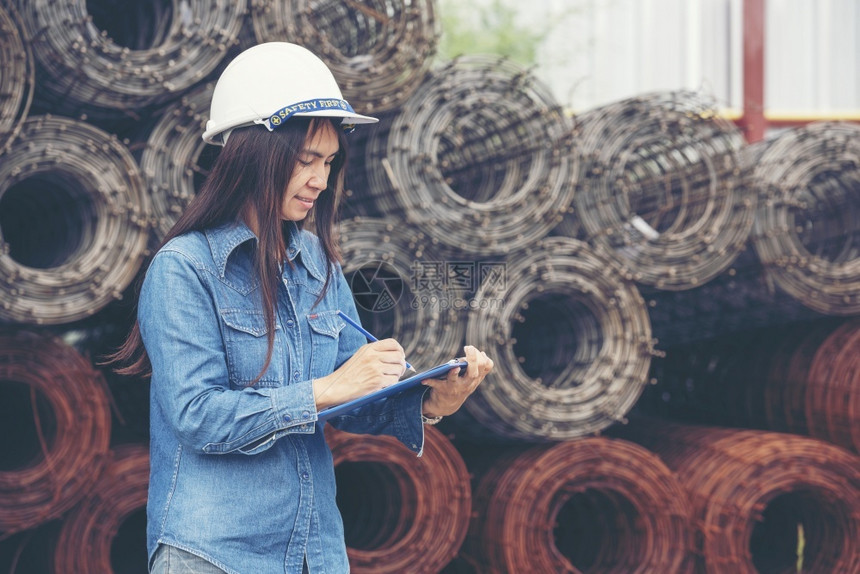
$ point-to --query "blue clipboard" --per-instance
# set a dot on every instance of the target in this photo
(398, 387)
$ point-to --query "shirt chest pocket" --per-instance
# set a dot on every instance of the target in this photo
(325, 328)
(246, 343)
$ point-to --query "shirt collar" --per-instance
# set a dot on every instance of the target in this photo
(223, 240)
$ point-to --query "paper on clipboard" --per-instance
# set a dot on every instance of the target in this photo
(398, 387)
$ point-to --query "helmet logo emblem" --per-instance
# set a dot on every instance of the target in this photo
(285, 113)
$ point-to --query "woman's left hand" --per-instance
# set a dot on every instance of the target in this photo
(448, 394)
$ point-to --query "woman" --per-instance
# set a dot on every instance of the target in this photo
(238, 325)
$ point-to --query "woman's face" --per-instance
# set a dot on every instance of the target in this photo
(310, 176)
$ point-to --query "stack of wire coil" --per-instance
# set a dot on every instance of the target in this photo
(472, 164)
(480, 156)
(571, 342)
(380, 258)
(762, 501)
(17, 75)
(662, 187)
(56, 404)
(173, 46)
(111, 520)
(74, 219)
(802, 379)
(754, 379)
(175, 159)
(378, 50)
(742, 298)
(589, 505)
(401, 514)
(807, 225)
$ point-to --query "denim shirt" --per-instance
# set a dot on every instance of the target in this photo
(240, 474)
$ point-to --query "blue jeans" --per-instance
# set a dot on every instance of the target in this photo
(172, 560)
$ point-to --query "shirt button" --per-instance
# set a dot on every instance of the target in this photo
(288, 418)
(296, 376)
(305, 475)
(306, 415)
(290, 323)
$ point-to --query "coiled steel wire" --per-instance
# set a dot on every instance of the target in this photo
(479, 156)
(662, 187)
(833, 388)
(93, 531)
(360, 197)
(742, 298)
(74, 220)
(86, 71)
(759, 378)
(17, 75)
(570, 338)
(800, 378)
(379, 50)
(383, 259)
(70, 424)
(807, 226)
(401, 514)
(762, 501)
(589, 505)
(175, 159)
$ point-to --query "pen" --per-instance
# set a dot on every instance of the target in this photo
(364, 332)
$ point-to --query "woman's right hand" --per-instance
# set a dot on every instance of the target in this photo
(373, 367)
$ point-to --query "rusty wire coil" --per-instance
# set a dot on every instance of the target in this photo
(173, 45)
(56, 410)
(786, 384)
(754, 492)
(832, 398)
(401, 513)
(662, 187)
(479, 156)
(111, 518)
(383, 261)
(175, 159)
(588, 505)
(570, 338)
(808, 220)
(73, 221)
(378, 50)
(17, 75)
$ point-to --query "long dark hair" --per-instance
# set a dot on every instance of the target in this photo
(250, 176)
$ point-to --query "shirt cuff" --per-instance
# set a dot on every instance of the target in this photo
(294, 407)
(408, 427)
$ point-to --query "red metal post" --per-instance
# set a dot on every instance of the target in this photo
(753, 121)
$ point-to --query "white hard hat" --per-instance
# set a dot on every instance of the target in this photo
(270, 83)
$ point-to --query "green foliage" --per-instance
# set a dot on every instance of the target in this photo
(487, 28)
